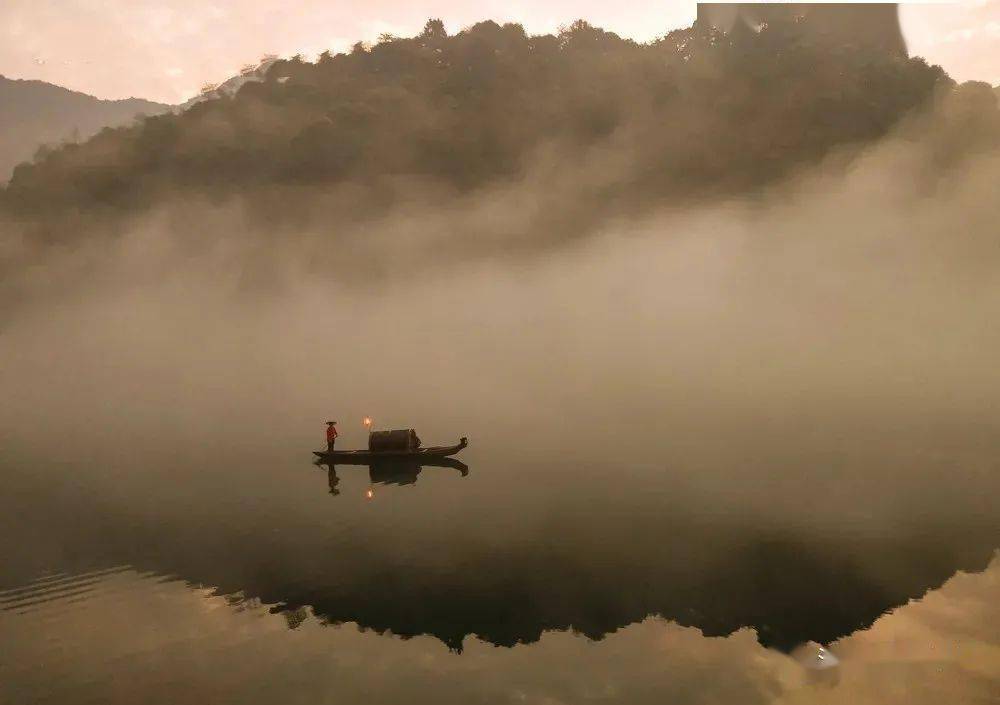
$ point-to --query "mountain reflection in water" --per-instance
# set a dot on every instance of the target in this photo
(505, 555)
(136, 637)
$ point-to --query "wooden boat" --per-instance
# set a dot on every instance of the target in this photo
(369, 457)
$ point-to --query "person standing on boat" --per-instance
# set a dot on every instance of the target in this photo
(331, 434)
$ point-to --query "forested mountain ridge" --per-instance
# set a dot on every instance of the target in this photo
(34, 114)
(696, 114)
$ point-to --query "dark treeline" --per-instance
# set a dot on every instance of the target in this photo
(696, 114)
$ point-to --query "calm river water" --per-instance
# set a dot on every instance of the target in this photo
(661, 503)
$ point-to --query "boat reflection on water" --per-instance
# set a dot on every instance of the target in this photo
(391, 471)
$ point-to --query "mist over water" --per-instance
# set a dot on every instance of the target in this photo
(776, 413)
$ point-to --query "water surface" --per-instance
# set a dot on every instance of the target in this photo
(663, 498)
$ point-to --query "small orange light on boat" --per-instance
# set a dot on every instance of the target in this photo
(370, 493)
(368, 421)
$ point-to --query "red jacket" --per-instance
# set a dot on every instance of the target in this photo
(331, 433)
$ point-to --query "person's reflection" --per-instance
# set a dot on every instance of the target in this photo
(332, 478)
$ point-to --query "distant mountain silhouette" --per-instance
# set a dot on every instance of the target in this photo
(35, 113)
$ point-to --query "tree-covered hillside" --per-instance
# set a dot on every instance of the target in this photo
(36, 114)
(695, 114)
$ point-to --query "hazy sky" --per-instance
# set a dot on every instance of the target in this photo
(165, 49)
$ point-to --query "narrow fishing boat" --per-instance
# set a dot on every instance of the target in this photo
(390, 445)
